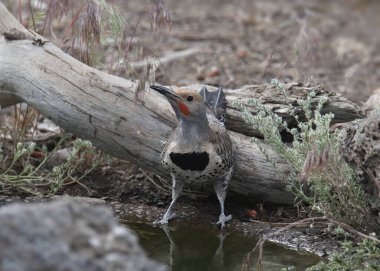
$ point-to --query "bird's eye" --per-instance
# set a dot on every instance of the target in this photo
(189, 98)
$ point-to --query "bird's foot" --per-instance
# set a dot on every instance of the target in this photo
(163, 143)
(223, 219)
(164, 220)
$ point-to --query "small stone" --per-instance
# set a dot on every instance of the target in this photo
(140, 176)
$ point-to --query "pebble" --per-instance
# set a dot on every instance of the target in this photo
(139, 176)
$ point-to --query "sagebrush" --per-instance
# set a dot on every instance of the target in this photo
(317, 166)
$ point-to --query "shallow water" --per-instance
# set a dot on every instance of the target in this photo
(189, 249)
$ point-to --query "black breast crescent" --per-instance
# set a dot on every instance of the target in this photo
(196, 161)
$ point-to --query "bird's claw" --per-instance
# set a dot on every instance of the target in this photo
(160, 222)
(164, 220)
(163, 143)
(223, 219)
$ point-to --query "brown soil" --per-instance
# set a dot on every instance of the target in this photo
(245, 42)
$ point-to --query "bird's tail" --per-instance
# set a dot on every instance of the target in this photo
(216, 101)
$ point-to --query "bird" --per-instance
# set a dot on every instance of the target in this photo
(199, 149)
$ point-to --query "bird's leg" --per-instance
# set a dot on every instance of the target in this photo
(220, 187)
(163, 143)
(173, 248)
(176, 192)
(218, 258)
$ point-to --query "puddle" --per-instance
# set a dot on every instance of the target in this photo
(189, 249)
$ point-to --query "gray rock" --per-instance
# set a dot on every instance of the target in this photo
(67, 236)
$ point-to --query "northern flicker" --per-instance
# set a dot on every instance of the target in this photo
(199, 149)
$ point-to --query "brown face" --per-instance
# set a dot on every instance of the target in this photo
(188, 102)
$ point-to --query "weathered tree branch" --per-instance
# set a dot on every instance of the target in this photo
(102, 108)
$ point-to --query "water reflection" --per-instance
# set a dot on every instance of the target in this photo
(188, 249)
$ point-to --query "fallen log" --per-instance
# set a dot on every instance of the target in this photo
(102, 108)
(361, 148)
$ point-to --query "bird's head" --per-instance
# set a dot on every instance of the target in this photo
(188, 105)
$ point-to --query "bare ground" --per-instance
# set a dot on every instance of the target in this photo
(243, 42)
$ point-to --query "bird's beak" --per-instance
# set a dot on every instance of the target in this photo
(167, 92)
(175, 101)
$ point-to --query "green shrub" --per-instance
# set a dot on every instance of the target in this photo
(363, 256)
(317, 166)
(31, 177)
